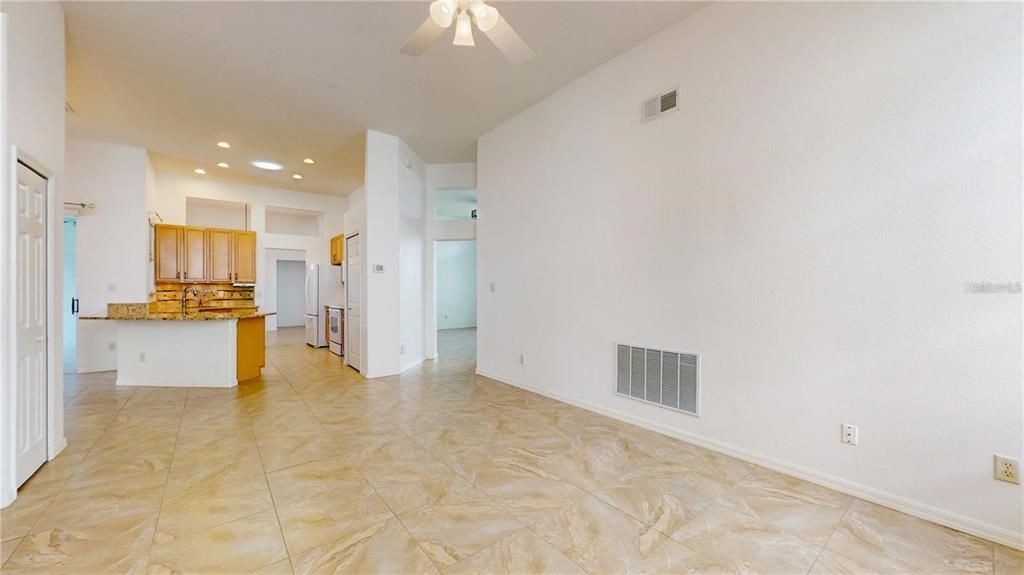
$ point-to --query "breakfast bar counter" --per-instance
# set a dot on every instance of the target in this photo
(200, 350)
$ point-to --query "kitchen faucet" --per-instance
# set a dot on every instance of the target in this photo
(184, 298)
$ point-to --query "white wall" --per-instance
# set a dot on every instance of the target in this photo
(31, 118)
(213, 214)
(439, 177)
(807, 222)
(380, 246)
(412, 235)
(393, 237)
(172, 189)
(291, 293)
(113, 240)
(456, 284)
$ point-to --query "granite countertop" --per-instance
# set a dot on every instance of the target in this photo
(205, 316)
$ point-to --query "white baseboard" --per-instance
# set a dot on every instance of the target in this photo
(134, 382)
(899, 503)
(95, 369)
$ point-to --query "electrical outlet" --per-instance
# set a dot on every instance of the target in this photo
(522, 359)
(1007, 469)
(849, 434)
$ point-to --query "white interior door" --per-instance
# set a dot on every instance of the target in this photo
(30, 394)
(353, 313)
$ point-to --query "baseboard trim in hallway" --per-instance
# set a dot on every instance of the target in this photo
(890, 500)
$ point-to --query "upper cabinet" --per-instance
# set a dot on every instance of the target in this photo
(167, 241)
(338, 250)
(195, 254)
(198, 255)
(245, 257)
(220, 253)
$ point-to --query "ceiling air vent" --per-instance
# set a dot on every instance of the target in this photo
(661, 104)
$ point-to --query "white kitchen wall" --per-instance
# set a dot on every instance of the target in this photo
(31, 118)
(441, 177)
(113, 240)
(291, 293)
(806, 221)
(456, 284)
(204, 213)
(172, 189)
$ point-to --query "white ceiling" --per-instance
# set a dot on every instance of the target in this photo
(287, 80)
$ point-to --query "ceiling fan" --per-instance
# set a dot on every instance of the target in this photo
(464, 13)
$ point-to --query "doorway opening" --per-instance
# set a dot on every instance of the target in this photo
(70, 328)
(291, 302)
(455, 273)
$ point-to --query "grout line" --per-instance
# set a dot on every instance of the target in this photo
(64, 482)
(167, 478)
(833, 534)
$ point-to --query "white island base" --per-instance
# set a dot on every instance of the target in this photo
(177, 353)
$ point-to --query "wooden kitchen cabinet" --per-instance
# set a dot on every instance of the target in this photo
(220, 253)
(185, 254)
(338, 250)
(194, 249)
(245, 257)
(167, 241)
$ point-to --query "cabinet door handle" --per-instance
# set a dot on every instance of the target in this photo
(177, 275)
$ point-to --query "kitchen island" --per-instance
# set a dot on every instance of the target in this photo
(198, 350)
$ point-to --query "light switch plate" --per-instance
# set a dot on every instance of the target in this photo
(378, 268)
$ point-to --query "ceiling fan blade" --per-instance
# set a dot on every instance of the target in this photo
(422, 38)
(510, 44)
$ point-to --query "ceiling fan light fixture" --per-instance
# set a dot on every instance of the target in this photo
(442, 12)
(486, 16)
(463, 30)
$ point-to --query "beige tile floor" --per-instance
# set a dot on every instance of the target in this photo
(313, 469)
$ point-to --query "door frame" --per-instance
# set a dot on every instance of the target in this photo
(55, 440)
(362, 309)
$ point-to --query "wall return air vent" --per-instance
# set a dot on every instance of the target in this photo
(661, 104)
(666, 378)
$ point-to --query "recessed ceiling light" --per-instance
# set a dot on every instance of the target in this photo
(200, 171)
(223, 165)
(264, 165)
(308, 161)
(223, 144)
(296, 176)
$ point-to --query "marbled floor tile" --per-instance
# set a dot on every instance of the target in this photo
(351, 514)
(1008, 561)
(420, 490)
(102, 547)
(883, 540)
(207, 495)
(7, 547)
(519, 553)
(449, 532)
(293, 448)
(387, 548)
(744, 543)
(797, 507)
(17, 519)
(283, 567)
(102, 500)
(243, 545)
(600, 538)
(333, 474)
